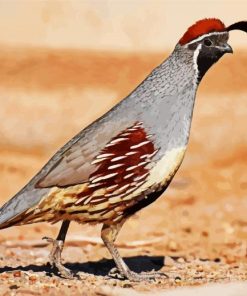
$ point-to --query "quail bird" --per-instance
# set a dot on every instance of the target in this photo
(126, 159)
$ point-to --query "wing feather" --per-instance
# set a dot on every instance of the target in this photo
(123, 166)
(71, 165)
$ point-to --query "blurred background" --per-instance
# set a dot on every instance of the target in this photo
(64, 63)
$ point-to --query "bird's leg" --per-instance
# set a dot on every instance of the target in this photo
(57, 248)
(109, 234)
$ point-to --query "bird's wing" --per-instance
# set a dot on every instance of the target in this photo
(68, 167)
(119, 168)
(121, 159)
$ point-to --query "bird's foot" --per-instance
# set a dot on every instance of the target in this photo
(55, 257)
(136, 277)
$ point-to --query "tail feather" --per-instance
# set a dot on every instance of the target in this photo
(21, 202)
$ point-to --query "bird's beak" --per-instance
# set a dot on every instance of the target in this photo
(226, 48)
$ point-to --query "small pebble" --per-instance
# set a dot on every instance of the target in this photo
(200, 268)
(173, 246)
(181, 260)
(13, 287)
(169, 261)
(17, 273)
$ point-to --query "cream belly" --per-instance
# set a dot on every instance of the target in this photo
(167, 166)
(163, 171)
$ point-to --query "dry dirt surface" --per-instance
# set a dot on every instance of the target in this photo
(196, 233)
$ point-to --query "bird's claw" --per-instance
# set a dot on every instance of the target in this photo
(55, 257)
(136, 277)
(116, 274)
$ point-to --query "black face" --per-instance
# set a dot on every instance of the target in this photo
(211, 49)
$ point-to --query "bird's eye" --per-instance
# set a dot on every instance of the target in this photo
(207, 42)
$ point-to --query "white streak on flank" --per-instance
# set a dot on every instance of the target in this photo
(88, 200)
(143, 163)
(118, 158)
(140, 183)
(94, 185)
(155, 151)
(131, 168)
(141, 177)
(104, 177)
(109, 194)
(112, 167)
(148, 155)
(110, 144)
(98, 160)
(126, 134)
(131, 189)
(149, 136)
(104, 155)
(128, 176)
(112, 187)
(139, 145)
(204, 36)
(132, 129)
(131, 153)
(118, 140)
(118, 217)
(85, 199)
(78, 201)
(81, 199)
(122, 188)
(94, 177)
(96, 200)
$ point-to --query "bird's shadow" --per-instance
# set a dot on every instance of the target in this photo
(97, 268)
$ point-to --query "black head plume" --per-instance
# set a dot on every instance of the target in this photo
(242, 26)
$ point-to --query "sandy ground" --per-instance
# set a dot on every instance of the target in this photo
(196, 232)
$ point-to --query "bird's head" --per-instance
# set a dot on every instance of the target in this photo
(207, 40)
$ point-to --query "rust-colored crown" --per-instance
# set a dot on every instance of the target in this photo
(202, 27)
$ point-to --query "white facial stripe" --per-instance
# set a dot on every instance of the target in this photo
(205, 35)
(196, 53)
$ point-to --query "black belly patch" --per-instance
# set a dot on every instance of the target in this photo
(150, 198)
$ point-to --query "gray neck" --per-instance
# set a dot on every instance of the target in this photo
(174, 77)
(165, 99)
